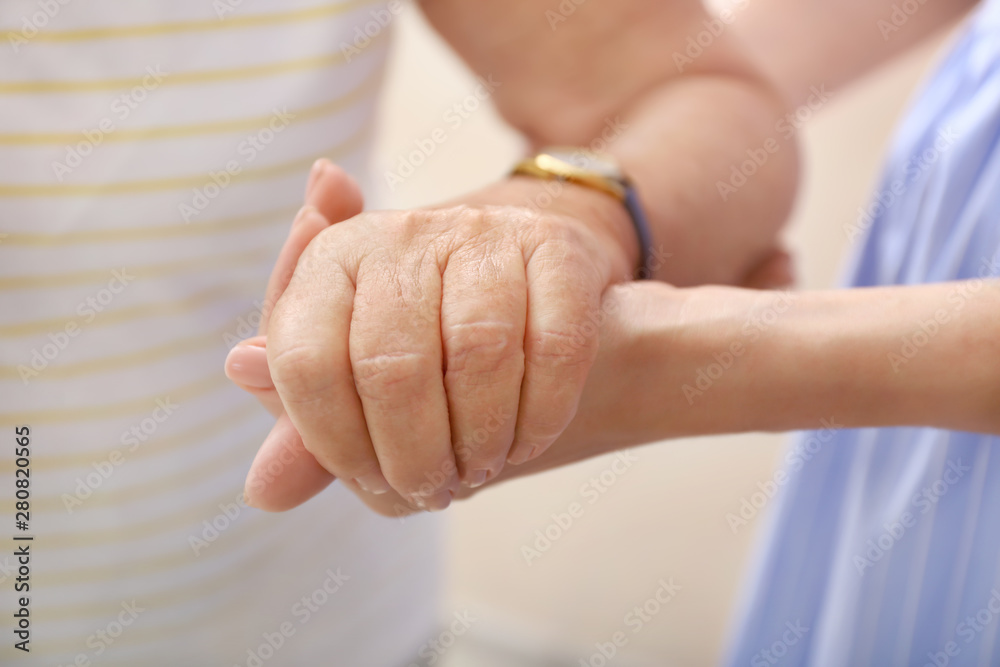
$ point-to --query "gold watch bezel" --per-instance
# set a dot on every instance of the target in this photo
(550, 168)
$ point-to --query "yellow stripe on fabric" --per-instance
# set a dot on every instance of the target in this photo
(354, 142)
(171, 597)
(34, 87)
(188, 517)
(233, 457)
(235, 21)
(192, 437)
(69, 648)
(130, 407)
(111, 317)
(151, 233)
(162, 562)
(341, 103)
(148, 272)
(134, 359)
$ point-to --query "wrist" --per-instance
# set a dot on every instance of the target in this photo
(599, 213)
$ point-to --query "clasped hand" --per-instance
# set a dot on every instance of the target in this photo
(411, 353)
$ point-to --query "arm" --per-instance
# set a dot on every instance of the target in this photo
(610, 70)
(702, 361)
(692, 113)
(835, 43)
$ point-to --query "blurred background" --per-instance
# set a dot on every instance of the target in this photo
(665, 518)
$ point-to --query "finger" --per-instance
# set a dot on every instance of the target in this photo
(776, 271)
(395, 348)
(482, 326)
(310, 364)
(247, 367)
(307, 224)
(284, 475)
(560, 345)
(334, 192)
(332, 197)
(314, 173)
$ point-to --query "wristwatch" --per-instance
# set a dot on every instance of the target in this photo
(599, 172)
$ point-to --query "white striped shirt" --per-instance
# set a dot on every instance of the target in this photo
(151, 158)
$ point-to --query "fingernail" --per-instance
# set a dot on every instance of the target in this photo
(314, 174)
(374, 483)
(247, 365)
(248, 500)
(438, 502)
(477, 478)
(304, 212)
(521, 453)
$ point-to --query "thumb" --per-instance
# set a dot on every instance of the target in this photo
(332, 196)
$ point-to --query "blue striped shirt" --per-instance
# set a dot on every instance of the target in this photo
(881, 549)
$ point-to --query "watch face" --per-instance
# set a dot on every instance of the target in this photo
(605, 165)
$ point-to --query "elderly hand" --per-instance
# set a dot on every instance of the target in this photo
(417, 350)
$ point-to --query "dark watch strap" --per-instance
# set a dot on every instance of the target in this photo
(639, 220)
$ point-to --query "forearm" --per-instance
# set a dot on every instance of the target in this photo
(608, 79)
(717, 172)
(804, 44)
(678, 363)
(898, 356)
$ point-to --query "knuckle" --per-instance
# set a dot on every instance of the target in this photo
(386, 375)
(568, 348)
(475, 353)
(300, 372)
(552, 233)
